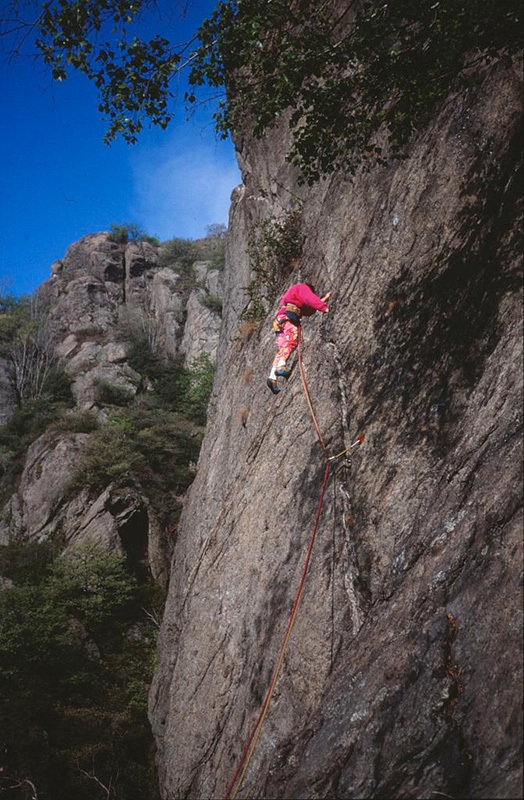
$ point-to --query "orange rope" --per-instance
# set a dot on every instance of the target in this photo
(238, 778)
(308, 396)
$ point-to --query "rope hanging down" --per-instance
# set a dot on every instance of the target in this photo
(238, 778)
(307, 394)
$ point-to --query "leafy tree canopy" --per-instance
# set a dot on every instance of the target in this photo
(77, 648)
(356, 78)
(353, 76)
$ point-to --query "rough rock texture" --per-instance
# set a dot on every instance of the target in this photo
(202, 327)
(98, 285)
(167, 311)
(402, 677)
(100, 282)
(49, 464)
(119, 519)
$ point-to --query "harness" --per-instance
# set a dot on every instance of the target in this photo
(289, 312)
(293, 309)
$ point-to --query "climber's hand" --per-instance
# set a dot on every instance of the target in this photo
(326, 297)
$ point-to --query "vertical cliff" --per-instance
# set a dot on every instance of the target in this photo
(402, 676)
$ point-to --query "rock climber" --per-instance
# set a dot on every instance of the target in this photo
(299, 301)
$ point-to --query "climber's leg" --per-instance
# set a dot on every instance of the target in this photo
(287, 343)
(287, 369)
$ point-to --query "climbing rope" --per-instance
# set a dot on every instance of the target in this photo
(307, 394)
(247, 753)
(238, 778)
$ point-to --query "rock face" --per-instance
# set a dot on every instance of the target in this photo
(96, 289)
(100, 284)
(402, 677)
(202, 328)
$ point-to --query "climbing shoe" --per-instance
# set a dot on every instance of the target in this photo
(283, 373)
(273, 385)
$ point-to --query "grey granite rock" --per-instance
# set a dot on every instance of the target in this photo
(402, 677)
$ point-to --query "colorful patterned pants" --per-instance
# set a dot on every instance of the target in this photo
(287, 343)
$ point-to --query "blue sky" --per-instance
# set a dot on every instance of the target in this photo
(59, 182)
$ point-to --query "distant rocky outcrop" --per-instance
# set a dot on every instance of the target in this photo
(97, 283)
(96, 296)
(202, 327)
(402, 677)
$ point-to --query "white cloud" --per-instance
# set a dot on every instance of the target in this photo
(184, 185)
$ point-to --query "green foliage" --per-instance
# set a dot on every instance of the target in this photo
(129, 232)
(8, 302)
(273, 248)
(76, 656)
(349, 80)
(149, 444)
(213, 247)
(218, 260)
(27, 346)
(109, 394)
(24, 426)
(197, 386)
(132, 75)
(26, 562)
(163, 372)
(82, 421)
(119, 234)
(178, 254)
(92, 586)
(108, 455)
(57, 386)
(14, 313)
(15, 316)
(212, 302)
(175, 388)
(153, 240)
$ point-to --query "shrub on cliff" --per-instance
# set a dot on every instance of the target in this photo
(174, 386)
(151, 445)
(353, 79)
(177, 253)
(109, 394)
(197, 383)
(27, 346)
(29, 421)
(129, 232)
(181, 254)
(109, 454)
(212, 302)
(273, 246)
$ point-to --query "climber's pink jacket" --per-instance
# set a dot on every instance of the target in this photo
(301, 295)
